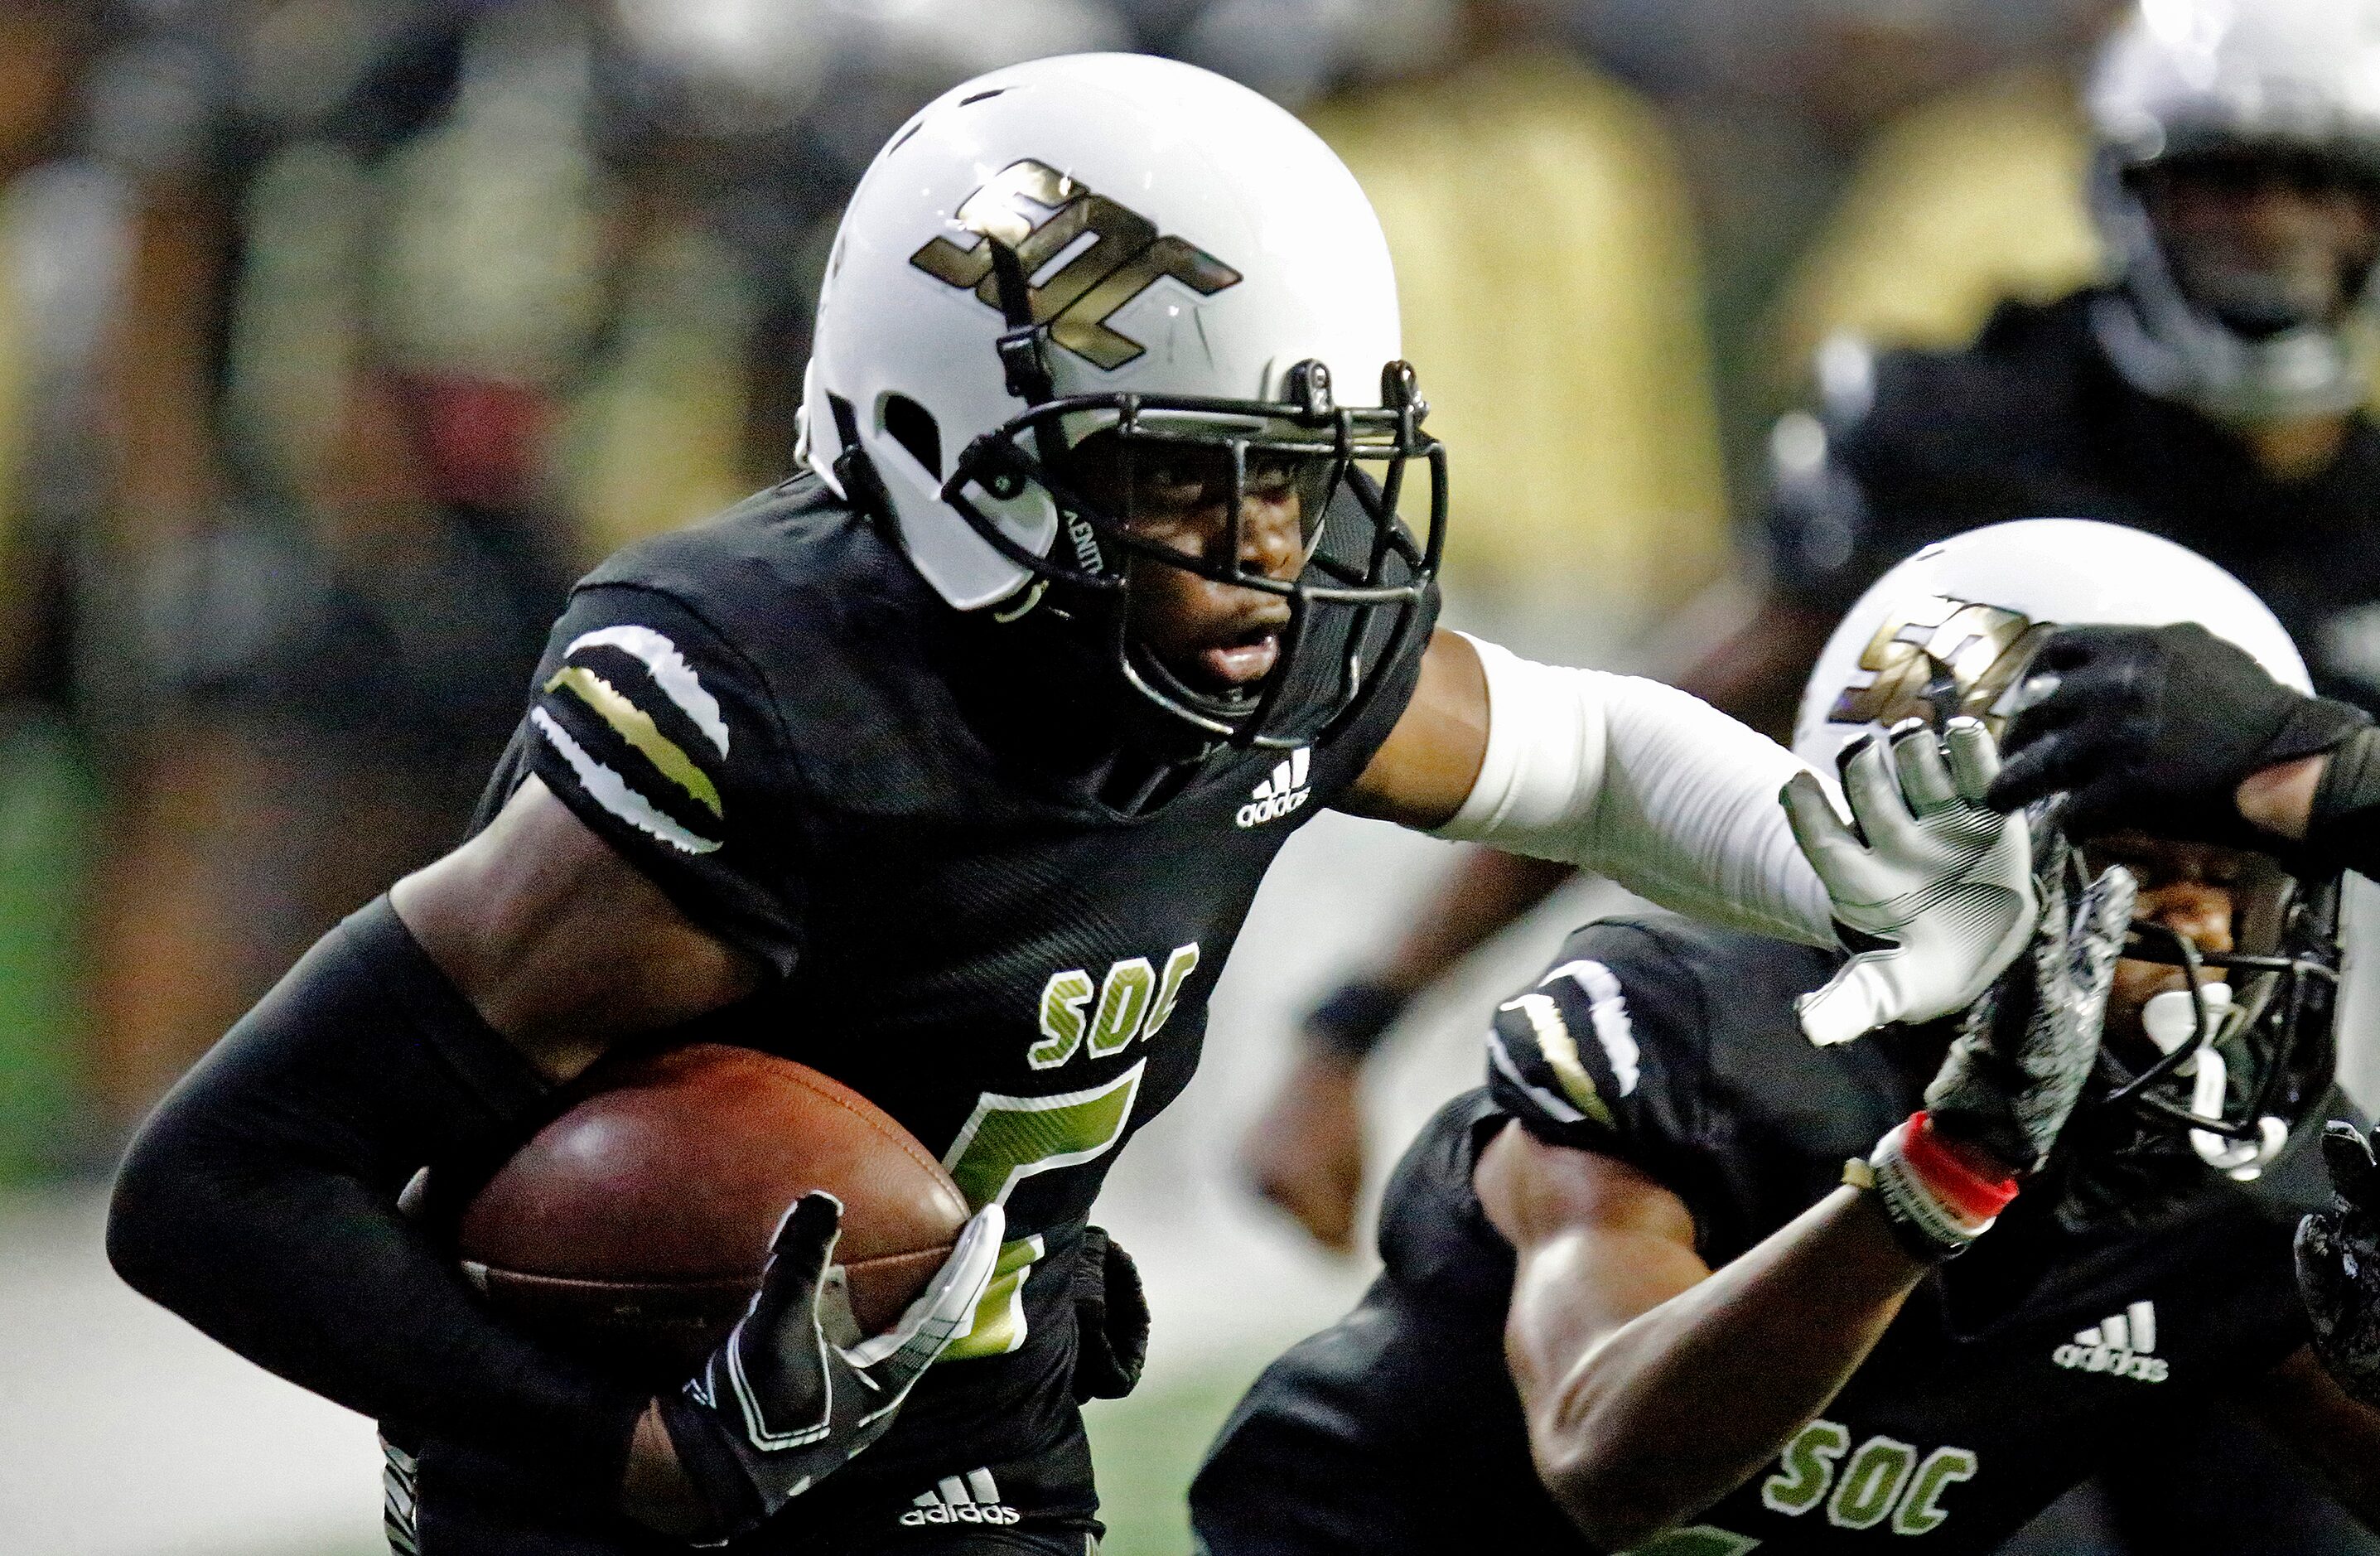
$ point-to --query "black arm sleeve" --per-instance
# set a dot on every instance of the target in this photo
(2343, 832)
(259, 1203)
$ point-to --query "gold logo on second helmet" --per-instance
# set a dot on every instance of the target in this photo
(1043, 215)
(1936, 658)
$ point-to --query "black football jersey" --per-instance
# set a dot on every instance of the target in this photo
(2031, 422)
(2009, 1374)
(907, 814)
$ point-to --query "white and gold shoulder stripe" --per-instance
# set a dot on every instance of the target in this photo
(615, 792)
(674, 679)
(670, 672)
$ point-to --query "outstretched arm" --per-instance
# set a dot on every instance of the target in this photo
(1306, 1152)
(1680, 802)
(1631, 1355)
(1653, 787)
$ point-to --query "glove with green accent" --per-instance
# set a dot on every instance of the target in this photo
(793, 1394)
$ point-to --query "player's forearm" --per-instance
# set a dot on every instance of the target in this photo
(1487, 891)
(1639, 782)
(1673, 1410)
(2331, 802)
(259, 1203)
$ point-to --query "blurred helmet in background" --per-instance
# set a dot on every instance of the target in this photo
(1123, 244)
(2224, 86)
(2244, 1048)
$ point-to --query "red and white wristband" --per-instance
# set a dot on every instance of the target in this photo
(1939, 1200)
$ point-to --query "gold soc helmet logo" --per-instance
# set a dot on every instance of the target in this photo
(1936, 658)
(1042, 215)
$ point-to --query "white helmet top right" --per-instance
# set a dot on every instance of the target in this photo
(1951, 629)
(2184, 77)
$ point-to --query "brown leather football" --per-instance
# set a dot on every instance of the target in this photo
(634, 1227)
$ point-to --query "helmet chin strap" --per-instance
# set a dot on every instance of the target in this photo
(1022, 356)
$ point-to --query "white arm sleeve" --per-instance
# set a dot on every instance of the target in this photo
(1639, 782)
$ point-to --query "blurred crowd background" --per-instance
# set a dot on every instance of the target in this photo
(336, 337)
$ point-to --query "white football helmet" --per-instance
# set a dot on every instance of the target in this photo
(1123, 242)
(2186, 78)
(1950, 631)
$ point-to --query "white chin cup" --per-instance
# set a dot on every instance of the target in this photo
(2170, 1021)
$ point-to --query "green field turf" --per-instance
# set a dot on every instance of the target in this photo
(47, 811)
(1148, 1447)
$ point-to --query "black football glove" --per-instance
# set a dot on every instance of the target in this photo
(2338, 1265)
(2024, 1050)
(794, 1394)
(2154, 728)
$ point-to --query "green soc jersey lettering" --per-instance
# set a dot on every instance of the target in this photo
(1871, 1483)
(1808, 1468)
(1124, 1005)
(1134, 1000)
(1063, 999)
(1006, 1140)
(1943, 1468)
(1883, 1477)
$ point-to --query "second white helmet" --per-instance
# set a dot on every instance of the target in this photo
(2192, 78)
(1950, 631)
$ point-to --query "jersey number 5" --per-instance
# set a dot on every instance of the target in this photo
(1006, 1140)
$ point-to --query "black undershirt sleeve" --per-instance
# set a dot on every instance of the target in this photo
(2343, 832)
(259, 1202)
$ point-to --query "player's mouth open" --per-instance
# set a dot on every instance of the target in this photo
(1242, 660)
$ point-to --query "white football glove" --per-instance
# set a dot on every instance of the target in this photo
(1943, 881)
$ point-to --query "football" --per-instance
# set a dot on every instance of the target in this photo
(633, 1227)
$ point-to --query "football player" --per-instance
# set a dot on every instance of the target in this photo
(2178, 728)
(2212, 393)
(951, 767)
(1679, 1280)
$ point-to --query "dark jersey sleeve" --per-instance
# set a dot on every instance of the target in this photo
(1606, 1051)
(1853, 485)
(662, 738)
(1908, 447)
(1819, 531)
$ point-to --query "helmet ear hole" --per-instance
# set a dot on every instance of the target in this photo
(912, 426)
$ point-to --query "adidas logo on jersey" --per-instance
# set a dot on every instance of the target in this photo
(2119, 1345)
(1281, 793)
(973, 1498)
